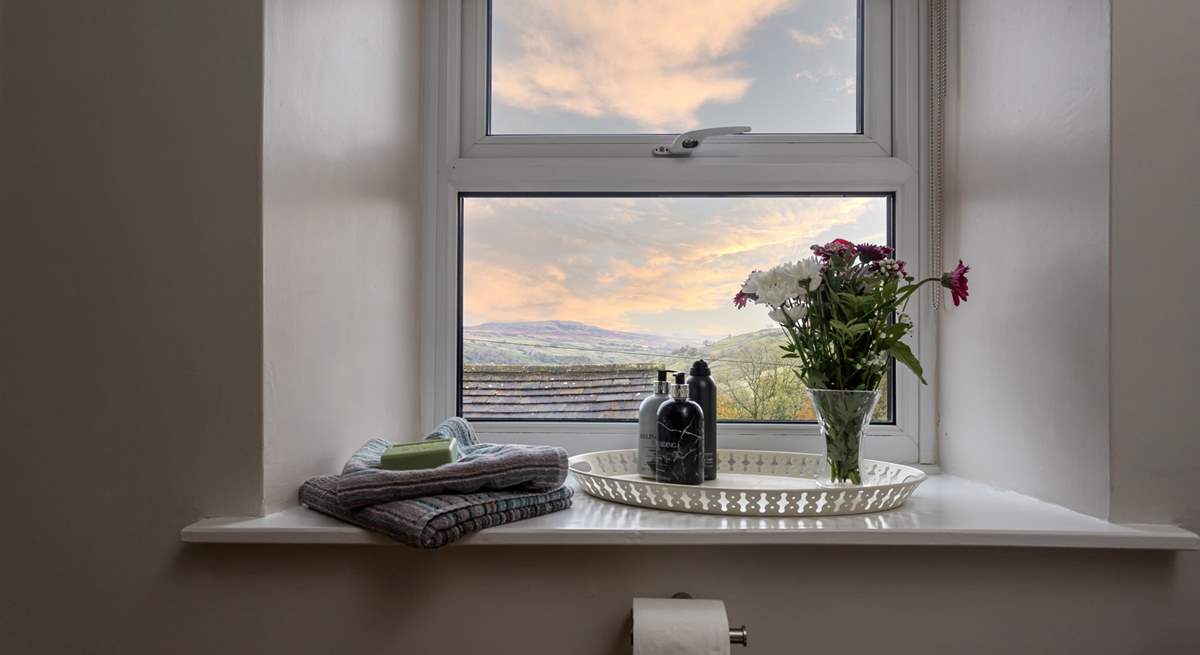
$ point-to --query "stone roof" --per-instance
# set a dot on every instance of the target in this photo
(606, 391)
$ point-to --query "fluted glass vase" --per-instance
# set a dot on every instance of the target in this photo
(843, 417)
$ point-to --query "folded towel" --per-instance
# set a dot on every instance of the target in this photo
(482, 466)
(434, 521)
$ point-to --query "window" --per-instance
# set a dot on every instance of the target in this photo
(546, 213)
(571, 303)
(782, 67)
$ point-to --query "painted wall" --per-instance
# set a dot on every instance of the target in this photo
(1024, 366)
(340, 242)
(1156, 309)
(129, 135)
(1155, 465)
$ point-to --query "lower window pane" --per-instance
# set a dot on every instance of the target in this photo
(570, 303)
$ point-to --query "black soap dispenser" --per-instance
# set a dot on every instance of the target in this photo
(704, 392)
(679, 456)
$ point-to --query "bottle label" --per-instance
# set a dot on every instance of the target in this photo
(647, 445)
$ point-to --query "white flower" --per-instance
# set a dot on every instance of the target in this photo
(750, 286)
(777, 288)
(809, 269)
(788, 315)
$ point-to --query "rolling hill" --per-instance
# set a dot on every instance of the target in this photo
(570, 342)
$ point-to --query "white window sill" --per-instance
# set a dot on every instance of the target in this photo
(945, 511)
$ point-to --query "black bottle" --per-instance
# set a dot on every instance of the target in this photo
(680, 454)
(704, 392)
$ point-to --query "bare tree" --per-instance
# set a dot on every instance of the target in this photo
(765, 387)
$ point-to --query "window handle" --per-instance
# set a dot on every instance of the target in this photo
(688, 141)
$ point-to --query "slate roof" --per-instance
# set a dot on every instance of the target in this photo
(608, 391)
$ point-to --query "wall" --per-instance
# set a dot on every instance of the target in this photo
(1155, 448)
(1023, 365)
(131, 229)
(340, 256)
(1155, 215)
(131, 364)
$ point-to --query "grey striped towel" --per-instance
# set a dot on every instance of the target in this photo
(481, 467)
(434, 521)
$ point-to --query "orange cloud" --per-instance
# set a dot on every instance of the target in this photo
(568, 56)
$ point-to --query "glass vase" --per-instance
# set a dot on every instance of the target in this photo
(843, 417)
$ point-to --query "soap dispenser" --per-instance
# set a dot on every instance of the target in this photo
(679, 453)
(648, 425)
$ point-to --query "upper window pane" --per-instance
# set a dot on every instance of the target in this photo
(667, 66)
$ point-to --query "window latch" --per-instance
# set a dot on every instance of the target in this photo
(683, 144)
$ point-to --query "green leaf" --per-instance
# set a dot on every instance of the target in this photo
(904, 355)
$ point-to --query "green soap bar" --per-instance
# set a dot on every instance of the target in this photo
(419, 455)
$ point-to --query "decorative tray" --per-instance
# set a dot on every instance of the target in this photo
(749, 483)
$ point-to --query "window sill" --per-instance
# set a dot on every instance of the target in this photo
(945, 511)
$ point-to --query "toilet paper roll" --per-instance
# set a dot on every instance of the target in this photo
(680, 626)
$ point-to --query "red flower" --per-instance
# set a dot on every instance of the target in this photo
(956, 282)
(740, 300)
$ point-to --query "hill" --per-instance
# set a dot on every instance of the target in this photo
(542, 343)
(561, 342)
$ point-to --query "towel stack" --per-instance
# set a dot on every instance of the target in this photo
(491, 484)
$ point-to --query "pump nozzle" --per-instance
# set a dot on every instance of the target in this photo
(680, 389)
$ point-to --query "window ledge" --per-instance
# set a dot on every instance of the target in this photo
(944, 511)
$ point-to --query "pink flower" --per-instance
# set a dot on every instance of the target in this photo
(740, 300)
(839, 247)
(956, 282)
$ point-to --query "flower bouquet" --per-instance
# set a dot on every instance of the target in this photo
(842, 312)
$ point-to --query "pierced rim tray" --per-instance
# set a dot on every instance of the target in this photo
(749, 483)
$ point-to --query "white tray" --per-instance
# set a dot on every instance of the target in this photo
(749, 483)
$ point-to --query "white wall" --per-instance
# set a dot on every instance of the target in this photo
(340, 217)
(1155, 238)
(1023, 365)
(131, 263)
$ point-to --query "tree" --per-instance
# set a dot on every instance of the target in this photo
(764, 387)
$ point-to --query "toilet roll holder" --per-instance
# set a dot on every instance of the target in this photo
(737, 636)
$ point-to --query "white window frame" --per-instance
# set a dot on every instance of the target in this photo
(459, 157)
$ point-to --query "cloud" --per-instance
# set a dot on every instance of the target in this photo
(654, 62)
(565, 258)
(834, 31)
(806, 39)
(825, 72)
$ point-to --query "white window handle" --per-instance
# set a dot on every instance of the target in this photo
(686, 142)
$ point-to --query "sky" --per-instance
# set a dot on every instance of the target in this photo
(665, 66)
(658, 265)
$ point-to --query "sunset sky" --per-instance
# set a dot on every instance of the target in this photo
(665, 66)
(660, 265)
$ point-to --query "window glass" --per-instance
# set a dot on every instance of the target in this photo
(667, 66)
(570, 303)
